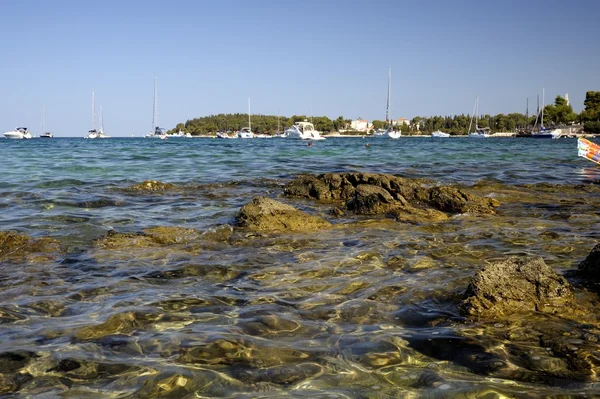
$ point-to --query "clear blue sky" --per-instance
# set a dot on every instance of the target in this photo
(324, 57)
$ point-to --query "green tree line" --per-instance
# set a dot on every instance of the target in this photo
(559, 113)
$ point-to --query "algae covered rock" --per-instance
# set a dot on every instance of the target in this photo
(591, 264)
(453, 200)
(151, 237)
(371, 200)
(409, 214)
(17, 247)
(265, 214)
(371, 193)
(516, 285)
(152, 185)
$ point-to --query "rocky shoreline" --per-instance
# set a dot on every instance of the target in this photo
(516, 318)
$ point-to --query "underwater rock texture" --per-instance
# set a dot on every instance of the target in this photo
(265, 214)
(516, 285)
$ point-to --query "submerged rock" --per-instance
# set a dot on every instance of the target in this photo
(152, 185)
(591, 264)
(516, 285)
(151, 237)
(369, 193)
(15, 246)
(265, 214)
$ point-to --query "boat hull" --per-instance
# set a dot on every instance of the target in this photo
(17, 135)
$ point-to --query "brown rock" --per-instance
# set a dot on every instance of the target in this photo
(371, 200)
(370, 193)
(591, 264)
(265, 214)
(15, 246)
(409, 214)
(516, 285)
(152, 185)
(453, 200)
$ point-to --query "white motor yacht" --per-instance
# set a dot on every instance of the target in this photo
(245, 133)
(439, 133)
(18, 134)
(304, 131)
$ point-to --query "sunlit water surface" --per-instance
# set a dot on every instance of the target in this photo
(364, 310)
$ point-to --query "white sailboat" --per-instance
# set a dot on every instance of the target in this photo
(156, 132)
(480, 132)
(101, 134)
(246, 132)
(544, 133)
(43, 133)
(389, 132)
(93, 132)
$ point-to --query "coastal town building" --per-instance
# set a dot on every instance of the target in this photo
(400, 121)
(360, 125)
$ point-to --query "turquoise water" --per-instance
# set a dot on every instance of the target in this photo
(327, 314)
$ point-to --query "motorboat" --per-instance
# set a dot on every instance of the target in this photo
(303, 130)
(439, 133)
(394, 134)
(245, 133)
(46, 135)
(18, 134)
(179, 133)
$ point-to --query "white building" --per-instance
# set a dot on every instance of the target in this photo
(361, 125)
(400, 121)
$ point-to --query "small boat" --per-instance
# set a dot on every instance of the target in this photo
(223, 135)
(545, 133)
(439, 133)
(43, 133)
(246, 132)
(156, 132)
(180, 133)
(588, 150)
(480, 132)
(19, 133)
(390, 132)
(94, 133)
(304, 131)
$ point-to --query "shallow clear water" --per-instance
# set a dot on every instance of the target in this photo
(338, 313)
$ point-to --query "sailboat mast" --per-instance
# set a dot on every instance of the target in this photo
(527, 115)
(249, 120)
(154, 115)
(542, 122)
(101, 121)
(42, 123)
(387, 107)
(93, 113)
(476, 112)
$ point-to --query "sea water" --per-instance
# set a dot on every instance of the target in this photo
(337, 313)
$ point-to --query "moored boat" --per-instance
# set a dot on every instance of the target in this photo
(588, 150)
(304, 131)
(439, 133)
(480, 132)
(19, 133)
